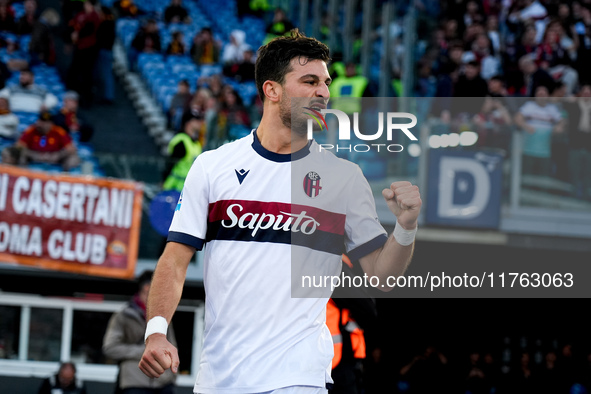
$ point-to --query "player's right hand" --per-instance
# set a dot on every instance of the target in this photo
(159, 356)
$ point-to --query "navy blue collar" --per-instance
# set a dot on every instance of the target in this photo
(278, 157)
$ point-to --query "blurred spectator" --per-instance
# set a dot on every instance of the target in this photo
(201, 102)
(4, 74)
(426, 372)
(496, 86)
(565, 18)
(70, 8)
(214, 84)
(234, 50)
(547, 377)
(473, 13)
(126, 9)
(182, 151)
(472, 31)
(179, 104)
(491, 371)
(205, 49)
(553, 56)
(28, 97)
(533, 77)
(15, 58)
(26, 22)
(450, 28)
(7, 22)
(469, 84)
(124, 343)
(579, 132)
(232, 119)
(43, 142)
(538, 118)
(8, 121)
(146, 40)
(244, 71)
(476, 380)
(252, 7)
(481, 52)
(494, 35)
(492, 124)
(279, 26)
(448, 67)
(69, 119)
(567, 365)
(177, 45)
(64, 382)
(514, 51)
(529, 11)
(350, 85)
(583, 62)
(41, 46)
(84, 37)
(426, 82)
(176, 13)
(522, 380)
(104, 67)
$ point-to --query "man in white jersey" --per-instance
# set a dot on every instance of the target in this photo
(240, 200)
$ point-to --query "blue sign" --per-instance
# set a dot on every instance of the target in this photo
(464, 188)
(162, 210)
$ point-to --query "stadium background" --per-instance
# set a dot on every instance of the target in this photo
(130, 142)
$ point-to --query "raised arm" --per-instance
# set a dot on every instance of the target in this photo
(165, 294)
(393, 258)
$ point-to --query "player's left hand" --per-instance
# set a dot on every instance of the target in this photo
(404, 200)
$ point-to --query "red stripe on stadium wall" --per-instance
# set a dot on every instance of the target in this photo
(330, 222)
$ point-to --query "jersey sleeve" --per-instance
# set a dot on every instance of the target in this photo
(363, 231)
(189, 223)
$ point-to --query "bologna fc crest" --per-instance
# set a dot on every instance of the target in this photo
(312, 184)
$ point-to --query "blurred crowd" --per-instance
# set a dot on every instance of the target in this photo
(556, 371)
(516, 66)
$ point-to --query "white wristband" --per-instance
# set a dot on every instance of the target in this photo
(156, 325)
(402, 236)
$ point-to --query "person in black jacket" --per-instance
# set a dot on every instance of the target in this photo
(105, 40)
(176, 13)
(64, 382)
(42, 47)
(146, 40)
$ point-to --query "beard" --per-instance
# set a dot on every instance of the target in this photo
(292, 116)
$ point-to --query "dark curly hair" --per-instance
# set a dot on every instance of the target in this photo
(274, 58)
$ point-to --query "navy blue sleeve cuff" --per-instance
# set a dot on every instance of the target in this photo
(368, 247)
(186, 239)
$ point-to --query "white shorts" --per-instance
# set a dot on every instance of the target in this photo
(296, 390)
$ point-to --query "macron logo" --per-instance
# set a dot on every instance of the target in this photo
(241, 175)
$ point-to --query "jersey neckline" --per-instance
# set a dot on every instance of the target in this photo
(278, 157)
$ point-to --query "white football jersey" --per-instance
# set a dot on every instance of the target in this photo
(264, 216)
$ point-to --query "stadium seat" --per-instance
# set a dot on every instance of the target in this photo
(173, 60)
(144, 58)
(184, 68)
(208, 70)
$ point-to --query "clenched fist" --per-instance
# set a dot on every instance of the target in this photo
(159, 356)
(404, 200)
